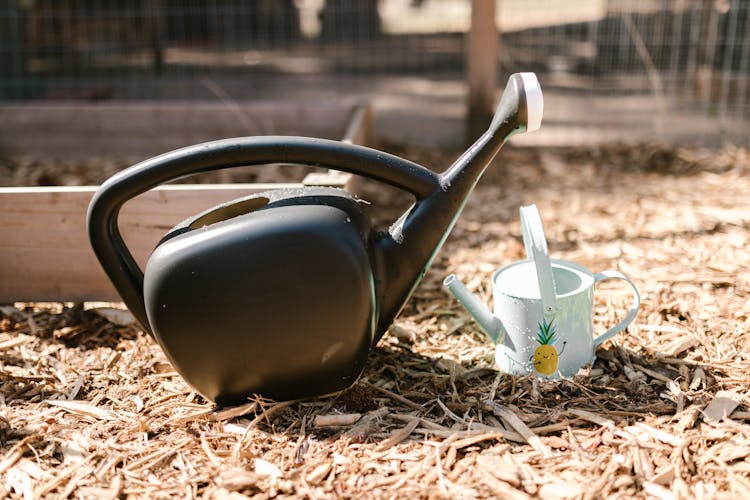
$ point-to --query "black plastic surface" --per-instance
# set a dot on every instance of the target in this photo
(219, 298)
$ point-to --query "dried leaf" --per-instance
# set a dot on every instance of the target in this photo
(266, 468)
(119, 317)
(722, 405)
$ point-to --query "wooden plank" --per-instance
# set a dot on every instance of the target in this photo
(45, 255)
(482, 51)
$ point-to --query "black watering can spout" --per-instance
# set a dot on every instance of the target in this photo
(417, 235)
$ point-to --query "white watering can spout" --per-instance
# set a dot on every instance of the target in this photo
(490, 323)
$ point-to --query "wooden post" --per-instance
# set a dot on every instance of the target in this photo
(482, 51)
(155, 16)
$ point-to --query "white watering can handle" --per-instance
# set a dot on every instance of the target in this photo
(536, 249)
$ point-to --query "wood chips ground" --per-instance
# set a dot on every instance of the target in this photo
(90, 408)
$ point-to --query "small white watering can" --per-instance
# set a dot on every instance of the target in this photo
(543, 318)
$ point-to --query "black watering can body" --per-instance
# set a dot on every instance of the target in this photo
(284, 293)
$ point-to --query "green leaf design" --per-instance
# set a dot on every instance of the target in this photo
(547, 332)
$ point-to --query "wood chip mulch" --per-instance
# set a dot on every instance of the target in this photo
(91, 408)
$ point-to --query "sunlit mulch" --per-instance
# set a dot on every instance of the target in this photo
(91, 408)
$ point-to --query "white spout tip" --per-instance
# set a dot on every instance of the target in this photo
(534, 101)
(449, 280)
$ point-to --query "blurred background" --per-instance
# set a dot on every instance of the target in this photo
(676, 71)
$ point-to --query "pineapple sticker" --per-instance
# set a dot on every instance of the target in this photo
(546, 355)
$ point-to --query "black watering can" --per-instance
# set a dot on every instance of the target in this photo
(283, 293)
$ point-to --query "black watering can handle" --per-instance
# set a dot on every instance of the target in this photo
(102, 218)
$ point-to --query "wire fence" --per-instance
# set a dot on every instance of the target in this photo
(674, 69)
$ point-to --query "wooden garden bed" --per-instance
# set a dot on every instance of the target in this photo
(45, 254)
